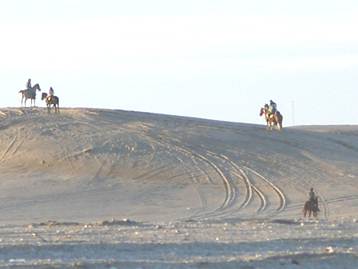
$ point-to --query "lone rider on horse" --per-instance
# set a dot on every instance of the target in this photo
(312, 195)
(272, 115)
(272, 107)
(51, 93)
(28, 84)
(311, 206)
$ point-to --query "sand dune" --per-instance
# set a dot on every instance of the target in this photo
(89, 165)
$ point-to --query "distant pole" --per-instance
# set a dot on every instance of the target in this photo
(293, 112)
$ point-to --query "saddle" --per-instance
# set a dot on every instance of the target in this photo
(271, 115)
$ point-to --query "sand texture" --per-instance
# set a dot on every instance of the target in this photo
(95, 188)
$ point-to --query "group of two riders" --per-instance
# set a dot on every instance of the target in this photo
(51, 92)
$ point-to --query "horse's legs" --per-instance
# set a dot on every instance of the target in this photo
(279, 125)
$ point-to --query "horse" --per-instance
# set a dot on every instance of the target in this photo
(311, 207)
(51, 100)
(29, 94)
(272, 120)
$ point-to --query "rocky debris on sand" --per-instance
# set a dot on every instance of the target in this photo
(113, 221)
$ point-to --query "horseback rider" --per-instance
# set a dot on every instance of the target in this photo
(51, 92)
(272, 107)
(312, 195)
(311, 206)
(28, 84)
(30, 89)
(313, 200)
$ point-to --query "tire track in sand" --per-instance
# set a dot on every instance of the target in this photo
(279, 192)
(251, 189)
(230, 188)
(241, 174)
(13, 147)
(8, 148)
(170, 146)
(228, 206)
(259, 193)
(230, 192)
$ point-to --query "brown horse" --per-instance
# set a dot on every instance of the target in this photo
(311, 207)
(51, 100)
(29, 94)
(272, 120)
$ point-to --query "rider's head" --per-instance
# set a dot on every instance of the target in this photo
(311, 189)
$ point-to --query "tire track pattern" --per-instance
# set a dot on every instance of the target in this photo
(235, 198)
(279, 192)
(240, 191)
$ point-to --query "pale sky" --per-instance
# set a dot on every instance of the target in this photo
(216, 59)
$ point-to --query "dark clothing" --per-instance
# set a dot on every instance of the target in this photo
(28, 85)
(312, 195)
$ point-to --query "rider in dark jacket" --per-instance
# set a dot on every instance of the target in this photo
(273, 107)
(28, 84)
(312, 195)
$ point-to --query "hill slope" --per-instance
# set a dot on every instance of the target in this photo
(92, 164)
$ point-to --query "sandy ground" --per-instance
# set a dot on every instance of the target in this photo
(92, 188)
